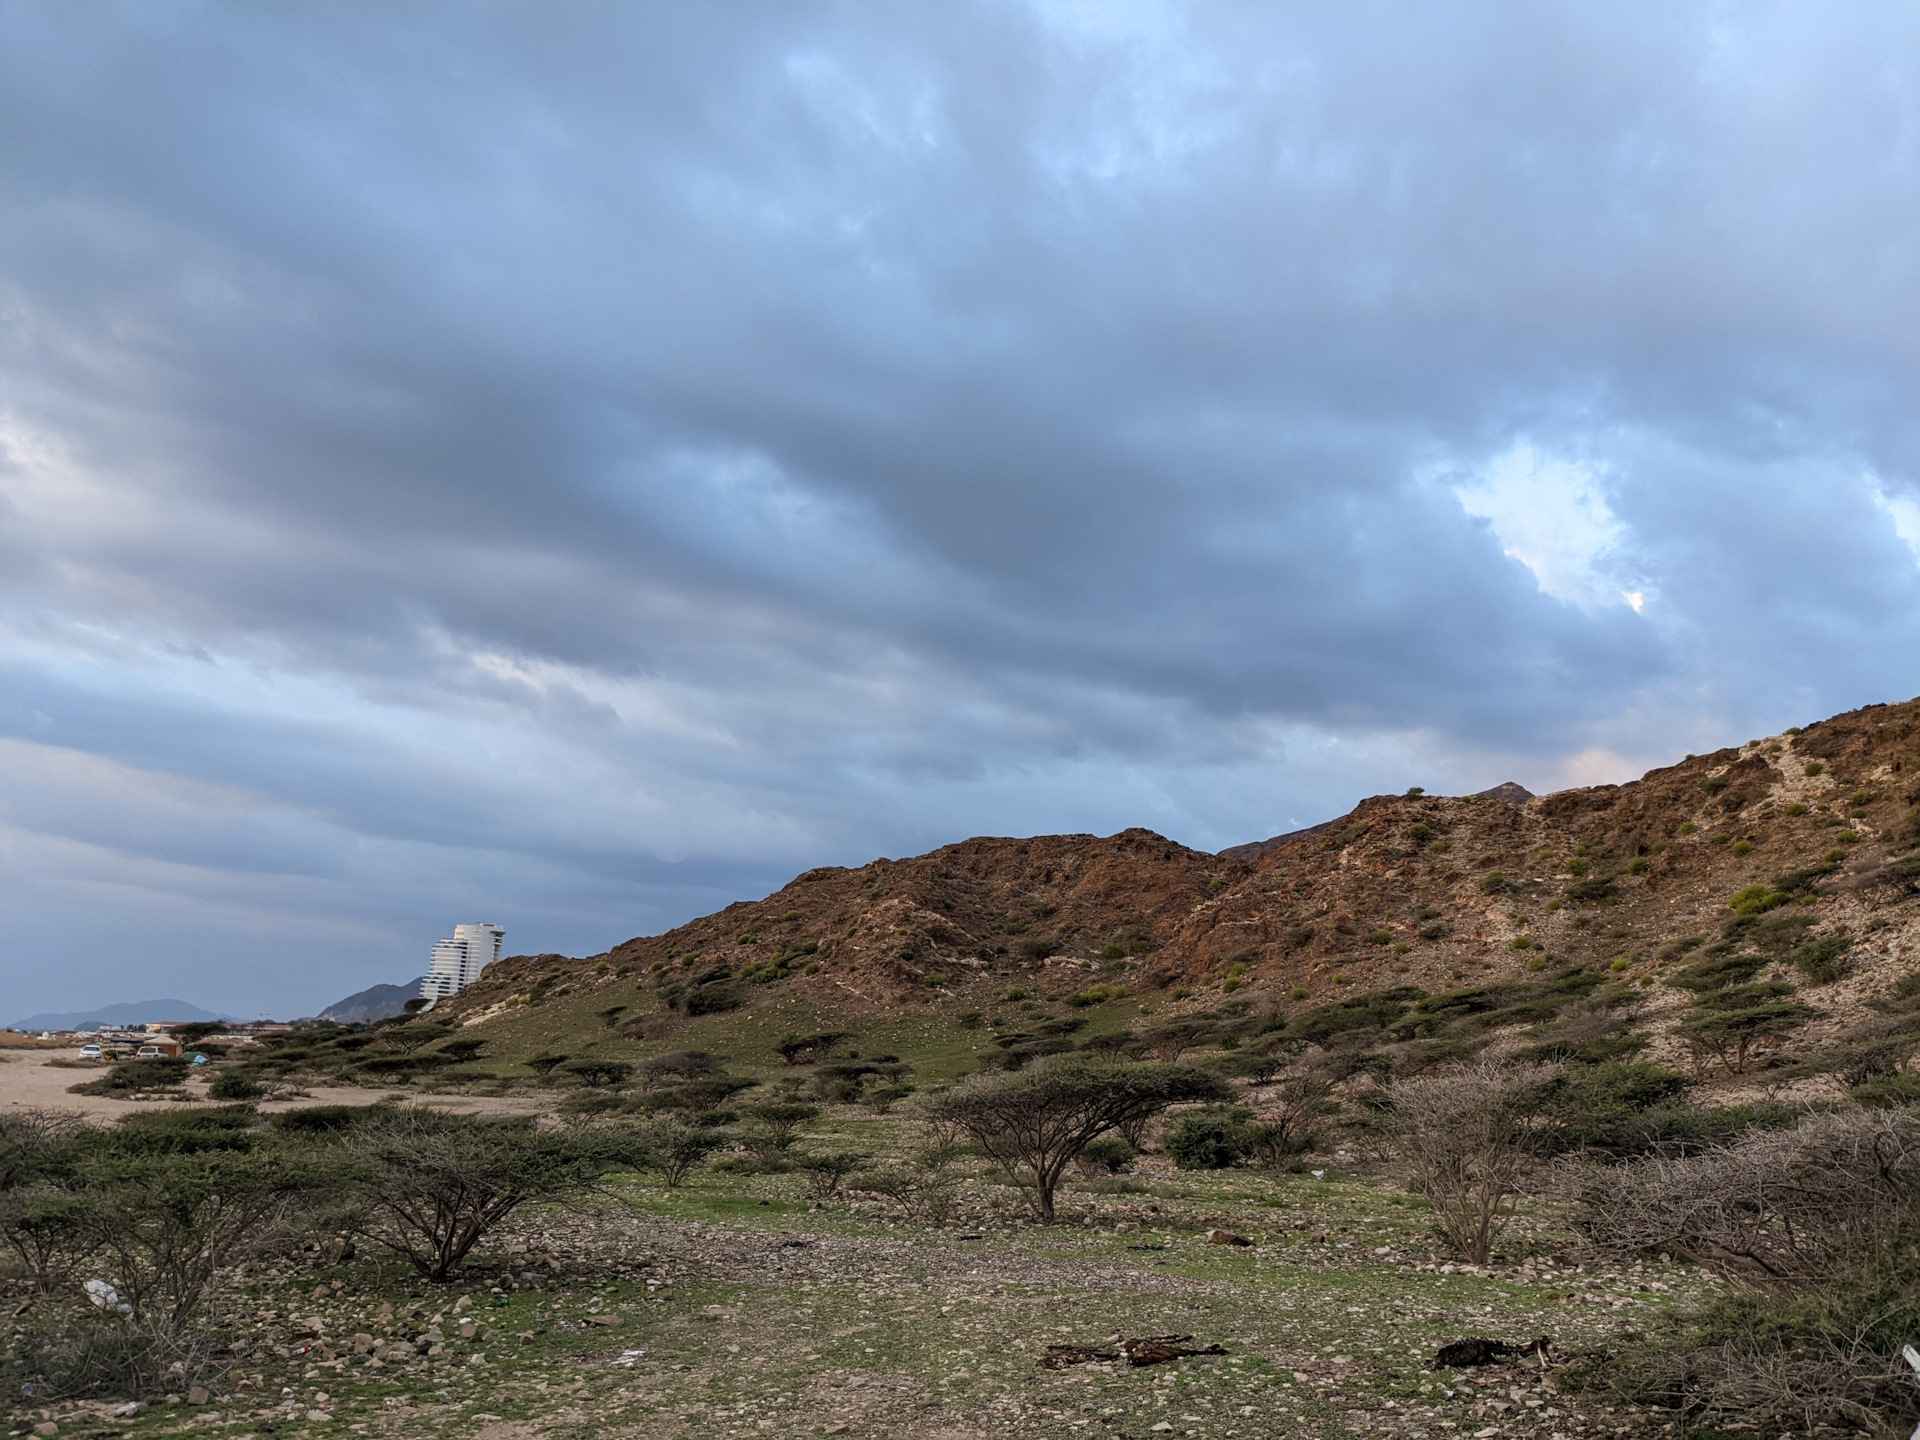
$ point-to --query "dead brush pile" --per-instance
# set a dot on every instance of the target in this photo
(1817, 1229)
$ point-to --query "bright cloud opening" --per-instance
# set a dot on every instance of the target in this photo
(1552, 516)
(1904, 511)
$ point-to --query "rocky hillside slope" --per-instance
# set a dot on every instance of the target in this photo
(1742, 859)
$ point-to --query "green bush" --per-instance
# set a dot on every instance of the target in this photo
(711, 1002)
(1730, 1024)
(1619, 1108)
(1212, 1139)
(321, 1119)
(1889, 1092)
(1104, 1155)
(132, 1077)
(1819, 960)
(432, 1186)
(230, 1129)
(235, 1085)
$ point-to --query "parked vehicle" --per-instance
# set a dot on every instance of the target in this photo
(90, 1052)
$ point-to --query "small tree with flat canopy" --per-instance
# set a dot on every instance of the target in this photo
(671, 1146)
(797, 1049)
(774, 1127)
(431, 1186)
(1033, 1123)
(600, 1074)
(408, 1038)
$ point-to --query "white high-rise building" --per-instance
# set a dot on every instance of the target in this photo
(459, 959)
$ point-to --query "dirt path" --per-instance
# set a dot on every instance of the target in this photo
(29, 1081)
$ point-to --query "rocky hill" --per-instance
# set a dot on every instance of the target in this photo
(1754, 858)
(376, 1002)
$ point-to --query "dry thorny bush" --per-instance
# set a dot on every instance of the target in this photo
(1469, 1137)
(1818, 1229)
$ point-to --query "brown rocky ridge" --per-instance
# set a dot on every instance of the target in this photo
(1411, 893)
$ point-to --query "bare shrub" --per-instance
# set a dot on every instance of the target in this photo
(1819, 1227)
(1792, 1205)
(1469, 1138)
(924, 1188)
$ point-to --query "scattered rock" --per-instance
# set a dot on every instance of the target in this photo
(1059, 1357)
(46, 1427)
(602, 1320)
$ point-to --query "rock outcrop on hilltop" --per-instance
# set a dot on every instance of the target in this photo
(1420, 891)
(1512, 792)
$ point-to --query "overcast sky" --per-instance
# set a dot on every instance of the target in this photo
(578, 464)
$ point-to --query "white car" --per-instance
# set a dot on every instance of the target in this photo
(90, 1052)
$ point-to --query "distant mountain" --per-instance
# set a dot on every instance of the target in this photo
(1511, 792)
(139, 1012)
(376, 1002)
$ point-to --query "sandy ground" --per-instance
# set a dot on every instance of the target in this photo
(28, 1081)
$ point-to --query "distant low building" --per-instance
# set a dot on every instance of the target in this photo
(459, 959)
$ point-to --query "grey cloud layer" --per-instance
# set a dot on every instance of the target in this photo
(590, 463)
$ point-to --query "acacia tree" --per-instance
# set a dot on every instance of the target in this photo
(430, 1186)
(673, 1147)
(600, 1074)
(408, 1038)
(1730, 1024)
(776, 1126)
(828, 1171)
(163, 1224)
(37, 1207)
(1302, 1095)
(32, 1142)
(1033, 1123)
(1469, 1137)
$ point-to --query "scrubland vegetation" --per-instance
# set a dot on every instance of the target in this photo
(782, 1252)
(948, 1147)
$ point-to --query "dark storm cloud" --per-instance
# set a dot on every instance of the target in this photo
(587, 463)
